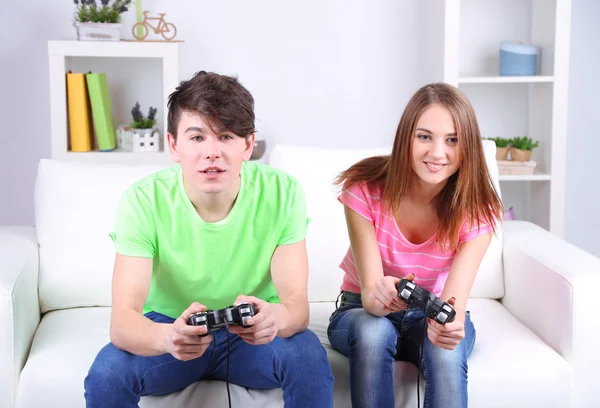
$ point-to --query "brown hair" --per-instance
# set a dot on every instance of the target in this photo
(468, 197)
(221, 101)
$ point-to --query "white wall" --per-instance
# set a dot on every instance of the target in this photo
(327, 73)
(582, 207)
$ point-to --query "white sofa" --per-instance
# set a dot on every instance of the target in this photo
(532, 303)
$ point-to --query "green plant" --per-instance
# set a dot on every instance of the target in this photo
(523, 143)
(141, 122)
(500, 141)
(88, 11)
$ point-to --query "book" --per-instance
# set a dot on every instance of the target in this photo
(516, 167)
(516, 163)
(101, 111)
(78, 107)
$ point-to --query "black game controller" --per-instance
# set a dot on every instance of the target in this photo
(441, 312)
(229, 316)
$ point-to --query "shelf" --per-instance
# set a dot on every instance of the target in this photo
(509, 106)
(525, 177)
(506, 80)
(126, 49)
(118, 157)
(135, 64)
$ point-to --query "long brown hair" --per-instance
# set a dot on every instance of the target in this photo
(469, 195)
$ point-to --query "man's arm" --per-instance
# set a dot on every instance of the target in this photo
(130, 330)
(289, 271)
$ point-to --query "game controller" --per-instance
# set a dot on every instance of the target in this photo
(229, 316)
(411, 293)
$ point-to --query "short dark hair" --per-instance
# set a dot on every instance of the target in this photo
(219, 99)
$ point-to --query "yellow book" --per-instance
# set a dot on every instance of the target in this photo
(80, 124)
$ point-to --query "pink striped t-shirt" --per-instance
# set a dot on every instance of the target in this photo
(399, 256)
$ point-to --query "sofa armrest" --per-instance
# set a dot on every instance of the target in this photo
(19, 305)
(552, 287)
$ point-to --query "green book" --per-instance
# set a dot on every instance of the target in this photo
(102, 115)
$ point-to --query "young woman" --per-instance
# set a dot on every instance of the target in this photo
(426, 212)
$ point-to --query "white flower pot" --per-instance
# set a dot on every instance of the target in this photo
(98, 31)
(138, 140)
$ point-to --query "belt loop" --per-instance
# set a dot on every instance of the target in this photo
(338, 298)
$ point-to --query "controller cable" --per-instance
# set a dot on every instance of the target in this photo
(421, 356)
(227, 370)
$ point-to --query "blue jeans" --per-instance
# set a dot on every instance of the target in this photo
(373, 343)
(297, 364)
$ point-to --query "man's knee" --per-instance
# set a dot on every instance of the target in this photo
(108, 371)
(304, 349)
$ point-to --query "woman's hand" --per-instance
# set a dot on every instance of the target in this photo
(384, 296)
(447, 336)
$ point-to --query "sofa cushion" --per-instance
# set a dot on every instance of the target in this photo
(509, 366)
(75, 206)
(327, 236)
(67, 342)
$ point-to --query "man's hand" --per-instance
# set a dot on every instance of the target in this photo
(182, 341)
(447, 336)
(384, 295)
(266, 323)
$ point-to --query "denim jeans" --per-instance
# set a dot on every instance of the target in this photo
(297, 364)
(373, 343)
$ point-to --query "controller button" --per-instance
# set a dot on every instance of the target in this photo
(447, 308)
(405, 294)
(442, 317)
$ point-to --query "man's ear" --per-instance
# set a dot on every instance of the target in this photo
(172, 143)
(249, 147)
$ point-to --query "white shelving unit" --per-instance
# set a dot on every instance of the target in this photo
(535, 106)
(144, 71)
(505, 80)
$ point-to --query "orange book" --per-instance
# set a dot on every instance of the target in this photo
(80, 120)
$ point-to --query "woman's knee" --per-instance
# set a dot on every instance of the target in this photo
(443, 362)
(368, 331)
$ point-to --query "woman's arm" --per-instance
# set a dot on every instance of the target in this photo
(456, 291)
(379, 294)
(463, 271)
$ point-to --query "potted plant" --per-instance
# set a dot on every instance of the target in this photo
(521, 147)
(502, 147)
(99, 21)
(142, 135)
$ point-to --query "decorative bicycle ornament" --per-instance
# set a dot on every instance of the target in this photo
(156, 24)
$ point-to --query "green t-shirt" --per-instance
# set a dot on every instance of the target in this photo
(210, 263)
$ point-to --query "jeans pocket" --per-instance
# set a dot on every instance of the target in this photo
(339, 310)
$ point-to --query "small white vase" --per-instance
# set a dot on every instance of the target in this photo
(98, 31)
(138, 140)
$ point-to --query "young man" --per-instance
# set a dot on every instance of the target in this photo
(213, 231)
